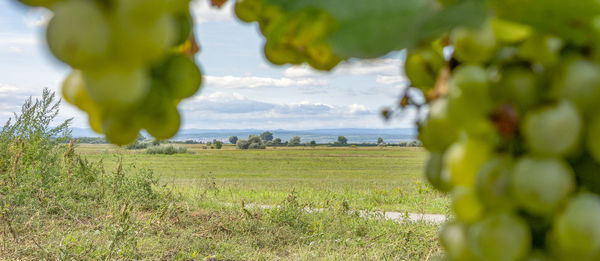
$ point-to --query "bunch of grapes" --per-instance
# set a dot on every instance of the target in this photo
(513, 134)
(132, 62)
(292, 37)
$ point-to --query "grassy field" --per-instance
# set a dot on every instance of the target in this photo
(372, 178)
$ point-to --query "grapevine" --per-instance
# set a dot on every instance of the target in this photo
(510, 87)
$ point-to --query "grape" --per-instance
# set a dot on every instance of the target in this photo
(120, 129)
(463, 160)
(437, 132)
(469, 88)
(248, 10)
(501, 237)
(518, 85)
(466, 205)
(474, 45)
(542, 49)
(184, 23)
(453, 237)
(433, 171)
(181, 75)
(117, 86)
(553, 130)
(137, 44)
(577, 230)
(422, 67)
(579, 82)
(510, 32)
(75, 92)
(79, 33)
(493, 184)
(540, 185)
(162, 122)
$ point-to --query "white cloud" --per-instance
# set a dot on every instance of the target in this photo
(390, 79)
(18, 39)
(204, 13)
(235, 82)
(229, 104)
(382, 66)
(37, 17)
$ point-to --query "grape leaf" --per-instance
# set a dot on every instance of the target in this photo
(369, 29)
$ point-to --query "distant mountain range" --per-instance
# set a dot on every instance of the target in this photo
(354, 135)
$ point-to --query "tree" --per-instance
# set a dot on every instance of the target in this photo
(253, 142)
(266, 136)
(379, 140)
(218, 144)
(242, 144)
(342, 140)
(233, 139)
(313, 143)
(277, 141)
(294, 141)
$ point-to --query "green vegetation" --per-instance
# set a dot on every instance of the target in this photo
(106, 204)
(166, 150)
(367, 178)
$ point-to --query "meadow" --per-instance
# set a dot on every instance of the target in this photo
(60, 200)
(365, 178)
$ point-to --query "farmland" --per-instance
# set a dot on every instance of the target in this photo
(373, 178)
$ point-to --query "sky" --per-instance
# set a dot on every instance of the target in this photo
(241, 89)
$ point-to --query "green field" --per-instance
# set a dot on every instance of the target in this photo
(387, 179)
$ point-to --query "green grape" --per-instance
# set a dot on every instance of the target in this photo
(422, 67)
(162, 123)
(184, 23)
(437, 132)
(579, 82)
(541, 185)
(120, 128)
(95, 120)
(181, 75)
(576, 231)
(501, 237)
(469, 88)
(279, 54)
(453, 238)
(592, 141)
(493, 184)
(433, 171)
(143, 43)
(79, 33)
(553, 130)
(248, 10)
(140, 12)
(463, 159)
(75, 92)
(473, 45)
(586, 171)
(510, 32)
(519, 86)
(116, 86)
(159, 113)
(321, 56)
(466, 205)
(541, 49)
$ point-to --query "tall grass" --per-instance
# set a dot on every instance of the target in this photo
(44, 182)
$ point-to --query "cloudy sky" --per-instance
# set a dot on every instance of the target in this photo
(241, 90)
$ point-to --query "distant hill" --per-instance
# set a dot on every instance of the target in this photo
(354, 135)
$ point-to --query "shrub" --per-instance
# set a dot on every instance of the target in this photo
(218, 144)
(167, 150)
(137, 146)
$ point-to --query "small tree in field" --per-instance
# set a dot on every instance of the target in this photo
(342, 140)
(266, 136)
(218, 144)
(295, 141)
(379, 140)
(233, 139)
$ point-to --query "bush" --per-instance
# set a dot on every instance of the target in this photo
(167, 150)
(137, 146)
(218, 144)
(44, 182)
(253, 142)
